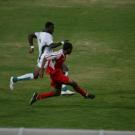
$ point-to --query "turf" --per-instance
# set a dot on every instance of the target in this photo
(103, 61)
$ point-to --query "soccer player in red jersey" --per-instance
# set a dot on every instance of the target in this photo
(54, 69)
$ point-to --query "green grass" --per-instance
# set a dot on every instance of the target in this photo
(103, 61)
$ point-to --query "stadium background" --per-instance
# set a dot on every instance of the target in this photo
(103, 61)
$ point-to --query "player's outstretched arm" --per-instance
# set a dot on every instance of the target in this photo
(30, 40)
(54, 45)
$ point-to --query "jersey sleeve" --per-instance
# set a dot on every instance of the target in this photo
(37, 34)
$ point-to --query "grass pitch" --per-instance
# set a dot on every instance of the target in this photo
(103, 61)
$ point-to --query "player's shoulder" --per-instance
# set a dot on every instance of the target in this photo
(47, 34)
(44, 34)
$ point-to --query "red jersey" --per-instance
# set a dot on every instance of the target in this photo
(55, 62)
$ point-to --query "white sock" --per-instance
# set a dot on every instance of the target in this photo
(28, 76)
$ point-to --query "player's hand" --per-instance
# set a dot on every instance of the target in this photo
(64, 41)
(31, 50)
(41, 73)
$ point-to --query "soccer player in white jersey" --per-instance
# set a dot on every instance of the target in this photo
(45, 45)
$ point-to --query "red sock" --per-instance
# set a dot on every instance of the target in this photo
(45, 95)
(81, 91)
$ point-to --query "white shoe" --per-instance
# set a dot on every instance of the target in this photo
(11, 85)
(67, 92)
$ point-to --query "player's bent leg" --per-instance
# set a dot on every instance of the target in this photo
(43, 95)
(48, 94)
(80, 90)
(14, 79)
(28, 76)
(39, 96)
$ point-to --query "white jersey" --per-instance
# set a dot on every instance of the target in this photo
(43, 39)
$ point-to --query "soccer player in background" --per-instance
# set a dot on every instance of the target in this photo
(45, 45)
(54, 69)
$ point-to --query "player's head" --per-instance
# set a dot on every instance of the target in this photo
(67, 48)
(49, 27)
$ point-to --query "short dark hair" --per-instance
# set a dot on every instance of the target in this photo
(48, 24)
(67, 45)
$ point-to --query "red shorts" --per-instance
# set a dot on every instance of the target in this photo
(58, 78)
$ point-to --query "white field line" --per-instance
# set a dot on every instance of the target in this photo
(37, 131)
